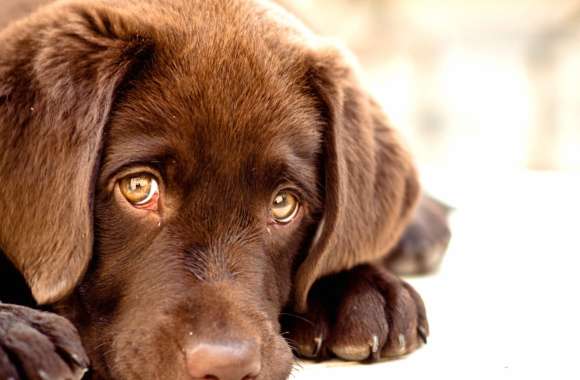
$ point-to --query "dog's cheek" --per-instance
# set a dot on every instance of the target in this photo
(280, 361)
(284, 253)
(119, 233)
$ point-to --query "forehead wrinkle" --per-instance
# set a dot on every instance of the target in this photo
(232, 120)
(233, 82)
(282, 164)
(142, 149)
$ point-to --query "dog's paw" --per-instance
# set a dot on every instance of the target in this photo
(36, 345)
(424, 242)
(363, 314)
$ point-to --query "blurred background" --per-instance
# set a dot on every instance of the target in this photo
(480, 84)
(487, 95)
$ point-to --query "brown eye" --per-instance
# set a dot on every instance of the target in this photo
(140, 190)
(284, 207)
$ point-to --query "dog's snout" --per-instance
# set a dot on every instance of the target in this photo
(233, 360)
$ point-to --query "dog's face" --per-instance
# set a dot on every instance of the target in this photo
(197, 175)
(202, 205)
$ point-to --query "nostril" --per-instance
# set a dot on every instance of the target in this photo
(252, 376)
(231, 360)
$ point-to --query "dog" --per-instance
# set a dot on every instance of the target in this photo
(194, 189)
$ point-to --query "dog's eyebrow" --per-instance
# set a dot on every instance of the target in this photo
(139, 151)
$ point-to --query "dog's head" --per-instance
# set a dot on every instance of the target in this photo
(174, 174)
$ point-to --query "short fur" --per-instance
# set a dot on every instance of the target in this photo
(226, 101)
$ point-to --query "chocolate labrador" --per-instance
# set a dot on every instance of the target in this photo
(198, 186)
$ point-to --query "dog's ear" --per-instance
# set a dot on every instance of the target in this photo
(60, 72)
(369, 184)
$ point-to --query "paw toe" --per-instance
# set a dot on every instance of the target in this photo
(361, 326)
(307, 334)
(407, 327)
(7, 369)
(354, 353)
(358, 352)
(310, 349)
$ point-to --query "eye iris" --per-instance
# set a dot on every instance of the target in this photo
(284, 207)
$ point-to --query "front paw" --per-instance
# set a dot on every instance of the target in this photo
(36, 345)
(363, 314)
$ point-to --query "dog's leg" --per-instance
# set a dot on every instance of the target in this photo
(37, 345)
(366, 313)
(34, 344)
(424, 242)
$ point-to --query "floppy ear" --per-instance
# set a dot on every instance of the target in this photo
(59, 73)
(370, 184)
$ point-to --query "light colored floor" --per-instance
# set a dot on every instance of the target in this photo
(506, 302)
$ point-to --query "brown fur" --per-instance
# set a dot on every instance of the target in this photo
(226, 101)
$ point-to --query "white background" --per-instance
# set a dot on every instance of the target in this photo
(505, 303)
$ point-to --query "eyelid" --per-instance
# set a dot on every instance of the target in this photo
(135, 170)
(307, 192)
(110, 173)
(290, 188)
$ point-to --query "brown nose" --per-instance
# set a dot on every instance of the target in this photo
(236, 360)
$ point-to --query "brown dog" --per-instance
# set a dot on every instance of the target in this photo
(175, 175)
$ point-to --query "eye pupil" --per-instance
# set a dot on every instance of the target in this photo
(137, 184)
(279, 200)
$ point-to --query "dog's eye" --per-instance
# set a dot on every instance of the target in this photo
(284, 207)
(140, 190)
